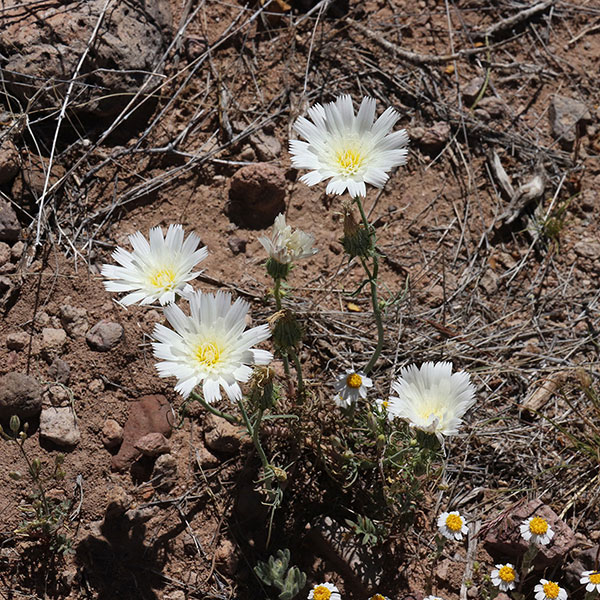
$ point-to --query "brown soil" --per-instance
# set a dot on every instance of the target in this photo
(510, 308)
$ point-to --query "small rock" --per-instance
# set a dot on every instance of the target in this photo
(206, 459)
(112, 434)
(17, 251)
(237, 245)
(104, 335)
(267, 147)
(53, 343)
(223, 436)
(96, 386)
(256, 196)
(9, 160)
(59, 425)
(20, 395)
(588, 249)
(164, 474)
(225, 556)
(435, 137)
(565, 113)
(504, 539)
(153, 444)
(74, 321)
(41, 319)
(59, 371)
(59, 395)
(493, 106)
(148, 414)
(17, 340)
(589, 201)
(471, 90)
(117, 501)
(248, 154)
(4, 253)
(10, 228)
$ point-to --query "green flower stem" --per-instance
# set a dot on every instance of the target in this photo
(35, 474)
(277, 295)
(528, 559)
(254, 431)
(372, 276)
(298, 366)
(215, 411)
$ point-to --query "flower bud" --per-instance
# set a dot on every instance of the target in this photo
(14, 423)
(357, 241)
(285, 329)
(277, 270)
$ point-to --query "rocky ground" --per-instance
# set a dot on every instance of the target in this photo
(116, 117)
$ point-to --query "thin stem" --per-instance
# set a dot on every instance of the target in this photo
(254, 431)
(299, 374)
(35, 475)
(372, 276)
(277, 295)
(215, 411)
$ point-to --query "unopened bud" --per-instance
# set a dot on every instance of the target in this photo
(380, 441)
(285, 329)
(277, 270)
(14, 423)
(357, 240)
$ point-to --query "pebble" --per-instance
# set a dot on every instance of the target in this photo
(112, 434)
(4, 253)
(588, 249)
(564, 114)
(59, 425)
(104, 335)
(10, 228)
(17, 251)
(20, 395)
(59, 371)
(74, 321)
(153, 444)
(267, 147)
(237, 245)
(17, 340)
(53, 343)
(164, 474)
(96, 386)
(9, 160)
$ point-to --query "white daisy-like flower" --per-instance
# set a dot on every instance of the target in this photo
(536, 531)
(378, 597)
(157, 269)
(210, 346)
(548, 590)
(452, 526)
(592, 581)
(433, 598)
(432, 398)
(286, 246)
(504, 577)
(324, 591)
(348, 149)
(350, 387)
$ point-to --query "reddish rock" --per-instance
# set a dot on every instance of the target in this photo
(256, 196)
(504, 538)
(9, 160)
(147, 415)
(112, 434)
(153, 444)
(104, 335)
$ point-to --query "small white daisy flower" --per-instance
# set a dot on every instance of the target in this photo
(210, 346)
(348, 149)
(504, 577)
(452, 526)
(324, 591)
(157, 269)
(378, 597)
(536, 531)
(592, 581)
(433, 598)
(351, 387)
(548, 590)
(286, 246)
(432, 398)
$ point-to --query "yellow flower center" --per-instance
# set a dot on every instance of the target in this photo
(208, 354)
(385, 404)
(163, 278)
(538, 526)
(321, 593)
(507, 574)
(454, 523)
(377, 597)
(551, 590)
(595, 578)
(349, 160)
(354, 380)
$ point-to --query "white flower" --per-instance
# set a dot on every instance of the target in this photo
(432, 598)
(210, 346)
(432, 398)
(155, 270)
(504, 577)
(548, 590)
(286, 246)
(592, 579)
(536, 530)
(324, 591)
(452, 526)
(378, 597)
(350, 150)
(351, 387)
